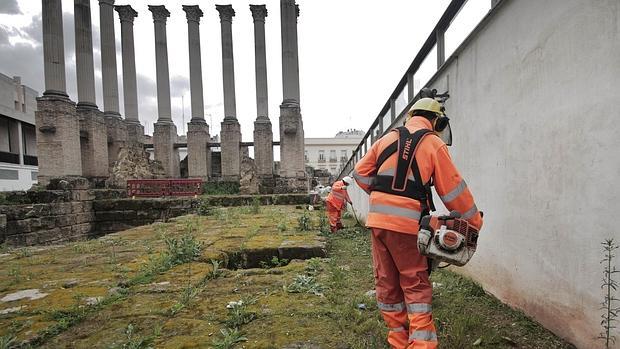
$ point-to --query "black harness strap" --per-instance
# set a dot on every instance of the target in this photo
(399, 184)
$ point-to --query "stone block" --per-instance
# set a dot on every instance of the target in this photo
(198, 161)
(263, 147)
(135, 132)
(93, 142)
(81, 230)
(292, 161)
(82, 195)
(231, 153)
(68, 183)
(61, 208)
(116, 137)
(2, 227)
(58, 138)
(86, 217)
(164, 138)
(65, 220)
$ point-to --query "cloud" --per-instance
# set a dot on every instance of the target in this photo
(9, 7)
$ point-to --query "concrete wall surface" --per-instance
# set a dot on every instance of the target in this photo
(533, 109)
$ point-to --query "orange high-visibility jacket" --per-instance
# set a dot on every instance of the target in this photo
(338, 196)
(402, 214)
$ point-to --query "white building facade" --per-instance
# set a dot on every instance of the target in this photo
(18, 145)
(331, 153)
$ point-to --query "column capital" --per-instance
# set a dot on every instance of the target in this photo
(160, 14)
(226, 12)
(126, 13)
(193, 13)
(106, 2)
(259, 12)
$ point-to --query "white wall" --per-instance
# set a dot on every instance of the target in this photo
(534, 110)
(24, 180)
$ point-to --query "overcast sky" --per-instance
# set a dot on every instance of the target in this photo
(351, 55)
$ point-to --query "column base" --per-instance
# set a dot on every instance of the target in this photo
(117, 137)
(58, 137)
(263, 147)
(198, 154)
(164, 138)
(292, 162)
(93, 142)
(135, 131)
(286, 185)
(230, 138)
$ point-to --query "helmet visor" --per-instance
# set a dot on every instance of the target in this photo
(446, 135)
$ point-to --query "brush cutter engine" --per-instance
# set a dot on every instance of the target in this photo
(449, 239)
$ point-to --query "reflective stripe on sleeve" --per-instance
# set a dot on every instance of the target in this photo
(455, 192)
(397, 329)
(362, 179)
(395, 211)
(419, 308)
(391, 307)
(470, 213)
(423, 336)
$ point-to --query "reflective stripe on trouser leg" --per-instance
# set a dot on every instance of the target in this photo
(396, 321)
(422, 332)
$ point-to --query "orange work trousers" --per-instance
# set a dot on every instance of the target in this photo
(404, 292)
(334, 215)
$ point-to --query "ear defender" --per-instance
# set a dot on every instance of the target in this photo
(441, 123)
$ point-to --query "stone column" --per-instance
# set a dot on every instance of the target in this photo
(198, 155)
(292, 164)
(117, 132)
(165, 132)
(231, 130)
(135, 131)
(93, 130)
(58, 130)
(263, 133)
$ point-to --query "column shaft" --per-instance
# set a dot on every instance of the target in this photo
(290, 63)
(84, 55)
(161, 61)
(198, 155)
(130, 90)
(228, 63)
(53, 48)
(108, 58)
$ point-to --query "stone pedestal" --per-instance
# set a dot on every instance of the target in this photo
(198, 155)
(93, 142)
(58, 138)
(164, 137)
(135, 132)
(230, 144)
(285, 185)
(263, 147)
(292, 162)
(117, 138)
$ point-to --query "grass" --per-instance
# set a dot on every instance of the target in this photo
(190, 255)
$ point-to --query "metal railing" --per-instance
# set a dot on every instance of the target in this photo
(394, 108)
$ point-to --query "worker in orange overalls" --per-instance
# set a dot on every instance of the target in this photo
(398, 172)
(337, 201)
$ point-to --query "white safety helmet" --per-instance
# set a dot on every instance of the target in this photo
(348, 180)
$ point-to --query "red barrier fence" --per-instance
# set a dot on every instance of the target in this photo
(164, 187)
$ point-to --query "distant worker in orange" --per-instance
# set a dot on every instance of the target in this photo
(337, 201)
(398, 172)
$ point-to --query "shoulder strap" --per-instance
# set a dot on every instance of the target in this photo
(407, 145)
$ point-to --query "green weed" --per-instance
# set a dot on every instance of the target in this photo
(230, 338)
(303, 222)
(238, 313)
(274, 263)
(610, 306)
(305, 284)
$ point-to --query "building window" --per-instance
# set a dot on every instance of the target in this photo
(332, 156)
(306, 155)
(343, 155)
(321, 155)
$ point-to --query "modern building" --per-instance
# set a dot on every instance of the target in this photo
(331, 154)
(18, 144)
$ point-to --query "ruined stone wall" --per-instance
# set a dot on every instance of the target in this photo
(73, 212)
